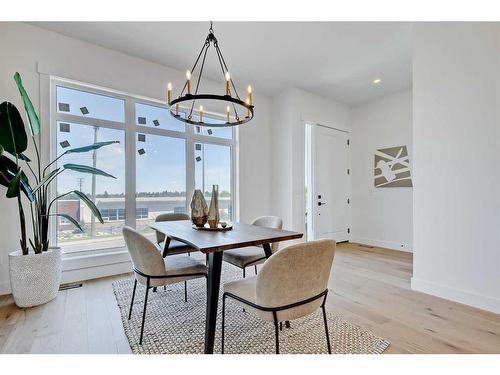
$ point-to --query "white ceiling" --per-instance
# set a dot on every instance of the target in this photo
(338, 60)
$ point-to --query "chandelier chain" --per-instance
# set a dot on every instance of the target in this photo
(198, 81)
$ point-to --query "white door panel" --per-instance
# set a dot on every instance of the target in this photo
(330, 183)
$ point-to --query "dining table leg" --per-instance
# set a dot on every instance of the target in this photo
(213, 285)
(267, 250)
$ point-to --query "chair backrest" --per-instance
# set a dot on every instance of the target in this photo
(160, 237)
(295, 273)
(274, 222)
(145, 256)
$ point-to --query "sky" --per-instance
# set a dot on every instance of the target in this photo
(160, 161)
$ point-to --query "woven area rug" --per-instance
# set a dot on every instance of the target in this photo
(177, 327)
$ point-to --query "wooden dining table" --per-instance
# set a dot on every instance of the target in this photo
(214, 243)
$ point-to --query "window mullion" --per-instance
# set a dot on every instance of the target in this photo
(130, 172)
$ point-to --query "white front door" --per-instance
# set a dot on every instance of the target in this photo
(329, 198)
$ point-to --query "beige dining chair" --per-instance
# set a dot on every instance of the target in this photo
(151, 270)
(253, 255)
(291, 284)
(174, 247)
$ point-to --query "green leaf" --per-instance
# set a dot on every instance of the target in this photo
(86, 169)
(26, 188)
(94, 146)
(13, 189)
(90, 205)
(71, 219)
(8, 170)
(1, 149)
(45, 179)
(28, 106)
(12, 133)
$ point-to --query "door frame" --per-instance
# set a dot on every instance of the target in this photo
(309, 186)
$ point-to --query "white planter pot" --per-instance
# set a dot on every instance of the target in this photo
(35, 278)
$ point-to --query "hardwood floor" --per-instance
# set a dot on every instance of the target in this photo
(370, 287)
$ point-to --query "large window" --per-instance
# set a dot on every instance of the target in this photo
(157, 163)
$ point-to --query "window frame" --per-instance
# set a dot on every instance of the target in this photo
(130, 129)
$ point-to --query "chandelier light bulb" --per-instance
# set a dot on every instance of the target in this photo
(169, 92)
(250, 95)
(188, 77)
(248, 110)
(228, 80)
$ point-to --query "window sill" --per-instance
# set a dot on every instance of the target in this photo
(94, 264)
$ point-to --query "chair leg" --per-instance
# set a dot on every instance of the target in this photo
(281, 326)
(255, 269)
(326, 329)
(244, 277)
(144, 312)
(132, 301)
(287, 323)
(276, 333)
(223, 322)
(185, 291)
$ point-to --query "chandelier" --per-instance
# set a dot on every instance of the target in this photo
(188, 106)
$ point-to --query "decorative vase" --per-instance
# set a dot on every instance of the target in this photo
(35, 278)
(213, 212)
(199, 209)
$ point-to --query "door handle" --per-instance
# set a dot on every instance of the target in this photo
(321, 203)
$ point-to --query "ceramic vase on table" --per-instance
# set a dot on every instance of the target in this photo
(213, 211)
(199, 209)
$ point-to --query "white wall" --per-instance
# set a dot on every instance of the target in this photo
(383, 216)
(290, 111)
(29, 49)
(456, 142)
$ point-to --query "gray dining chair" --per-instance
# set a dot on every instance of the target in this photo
(253, 255)
(291, 284)
(151, 270)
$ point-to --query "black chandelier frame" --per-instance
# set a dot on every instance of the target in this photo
(229, 99)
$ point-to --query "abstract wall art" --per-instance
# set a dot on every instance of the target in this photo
(392, 167)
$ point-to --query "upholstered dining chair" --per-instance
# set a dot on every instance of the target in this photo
(253, 255)
(291, 284)
(174, 247)
(151, 270)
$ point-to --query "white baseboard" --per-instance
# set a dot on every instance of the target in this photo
(458, 295)
(385, 244)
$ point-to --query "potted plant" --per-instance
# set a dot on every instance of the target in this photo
(35, 269)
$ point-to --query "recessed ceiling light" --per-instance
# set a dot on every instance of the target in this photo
(377, 81)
